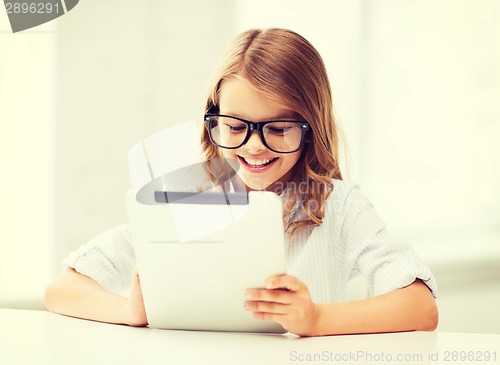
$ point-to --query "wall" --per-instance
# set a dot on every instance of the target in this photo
(432, 85)
(27, 117)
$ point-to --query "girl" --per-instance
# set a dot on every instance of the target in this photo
(270, 109)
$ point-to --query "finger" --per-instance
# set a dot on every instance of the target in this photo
(135, 274)
(284, 282)
(137, 311)
(269, 295)
(278, 318)
(275, 317)
(135, 285)
(267, 307)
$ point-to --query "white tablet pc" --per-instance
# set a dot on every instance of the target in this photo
(197, 255)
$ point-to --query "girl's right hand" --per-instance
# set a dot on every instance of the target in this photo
(135, 306)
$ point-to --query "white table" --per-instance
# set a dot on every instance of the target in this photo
(38, 337)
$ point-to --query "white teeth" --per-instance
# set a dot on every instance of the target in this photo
(257, 163)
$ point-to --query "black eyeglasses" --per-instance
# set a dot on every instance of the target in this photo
(281, 136)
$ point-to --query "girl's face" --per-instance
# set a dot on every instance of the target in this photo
(260, 168)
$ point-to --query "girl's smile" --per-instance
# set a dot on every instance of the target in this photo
(257, 164)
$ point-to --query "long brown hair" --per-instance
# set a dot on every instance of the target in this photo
(285, 67)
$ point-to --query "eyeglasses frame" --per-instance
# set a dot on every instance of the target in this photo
(257, 126)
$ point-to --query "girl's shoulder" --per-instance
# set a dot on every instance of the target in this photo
(344, 190)
(346, 197)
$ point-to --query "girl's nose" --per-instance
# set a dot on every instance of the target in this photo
(254, 143)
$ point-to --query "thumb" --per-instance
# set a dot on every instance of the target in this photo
(136, 303)
(135, 286)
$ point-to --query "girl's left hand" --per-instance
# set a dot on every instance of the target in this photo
(286, 301)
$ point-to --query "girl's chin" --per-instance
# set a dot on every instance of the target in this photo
(254, 184)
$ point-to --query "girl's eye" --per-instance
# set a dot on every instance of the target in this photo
(236, 128)
(279, 130)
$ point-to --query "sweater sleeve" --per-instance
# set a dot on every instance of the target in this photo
(108, 259)
(385, 263)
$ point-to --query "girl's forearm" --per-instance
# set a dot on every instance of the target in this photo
(412, 308)
(76, 295)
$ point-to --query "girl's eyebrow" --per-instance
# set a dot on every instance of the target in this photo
(282, 116)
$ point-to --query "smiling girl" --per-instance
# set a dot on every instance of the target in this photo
(270, 109)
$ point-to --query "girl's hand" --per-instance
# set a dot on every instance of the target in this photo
(135, 305)
(286, 301)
